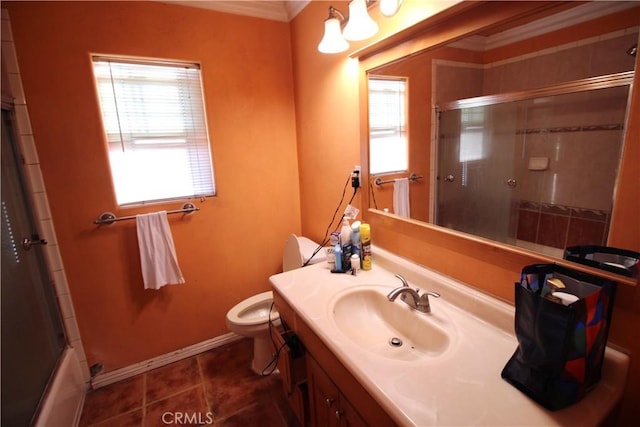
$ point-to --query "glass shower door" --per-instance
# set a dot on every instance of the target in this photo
(476, 181)
(536, 170)
(32, 333)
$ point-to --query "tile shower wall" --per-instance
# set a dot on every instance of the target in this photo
(561, 226)
(604, 54)
(38, 193)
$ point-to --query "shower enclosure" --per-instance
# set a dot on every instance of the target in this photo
(534, 168)
(33, 339)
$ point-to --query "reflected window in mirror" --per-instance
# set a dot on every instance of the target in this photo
(387, 125)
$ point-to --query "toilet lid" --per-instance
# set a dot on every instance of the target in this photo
(292, 257)
(297, 250)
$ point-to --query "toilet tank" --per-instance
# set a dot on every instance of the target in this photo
(297, 250)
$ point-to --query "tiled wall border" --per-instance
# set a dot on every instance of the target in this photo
(38, 194)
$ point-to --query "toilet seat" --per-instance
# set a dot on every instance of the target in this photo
(253, 310)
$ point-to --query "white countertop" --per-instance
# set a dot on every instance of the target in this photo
(461, 386)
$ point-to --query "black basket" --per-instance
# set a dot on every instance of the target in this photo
(615, 260)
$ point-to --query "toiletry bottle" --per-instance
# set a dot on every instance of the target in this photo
(365, 239)
(355, 264)
(345, 241)
(356, 246)
(333, 241)
(337, 250)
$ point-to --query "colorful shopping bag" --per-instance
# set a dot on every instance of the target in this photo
(560, 347)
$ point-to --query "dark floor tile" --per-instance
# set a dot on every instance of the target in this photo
(216, 386)
(112, 400)
(129, 419)
(186, 408)
(264, 414)
(230, 360)
(171, 379)
(227, 396)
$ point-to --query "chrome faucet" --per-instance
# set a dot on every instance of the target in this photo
(411, 297)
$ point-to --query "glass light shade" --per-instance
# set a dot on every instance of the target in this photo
(360, 25)
(332, 42)
(389, 7)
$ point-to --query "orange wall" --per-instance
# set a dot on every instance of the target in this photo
(329, 136)
(231, 246)
(327, 107)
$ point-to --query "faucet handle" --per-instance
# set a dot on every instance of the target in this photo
(403, 280)
(424, 304)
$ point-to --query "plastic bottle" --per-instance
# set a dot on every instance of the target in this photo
(365, 238)
(355, 264)
(356, 245)
(331, 255)
(345, 241)
(345, 231)
(337, 250)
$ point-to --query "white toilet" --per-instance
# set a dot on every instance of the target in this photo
(250, 318)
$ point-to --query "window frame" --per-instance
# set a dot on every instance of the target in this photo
(191, 143)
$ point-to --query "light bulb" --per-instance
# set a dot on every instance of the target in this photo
(332, 42)
(389, 7)
(360, 25)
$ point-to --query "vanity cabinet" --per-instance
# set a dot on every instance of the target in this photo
(294, 377)
(329, 407)
(335, 397)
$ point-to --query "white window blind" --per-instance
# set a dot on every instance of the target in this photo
(388, 148)
(153, 115)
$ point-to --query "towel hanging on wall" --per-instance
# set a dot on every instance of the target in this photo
(401, 197)
(157, 253)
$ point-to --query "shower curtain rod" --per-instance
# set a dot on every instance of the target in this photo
(582, 85)
(108, 218)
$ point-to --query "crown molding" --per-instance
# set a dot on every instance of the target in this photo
(573, 16)
(275, 10)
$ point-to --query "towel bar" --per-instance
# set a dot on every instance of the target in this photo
(412, 177)
(108, 218)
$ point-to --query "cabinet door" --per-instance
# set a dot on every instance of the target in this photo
(323, 396)
(348, 416)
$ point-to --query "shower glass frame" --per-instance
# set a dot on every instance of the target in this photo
(500, 221)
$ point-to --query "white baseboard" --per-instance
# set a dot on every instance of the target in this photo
(111, 377)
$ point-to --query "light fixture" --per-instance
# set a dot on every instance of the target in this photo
(360, 26)
(389, 7)
(333, 41)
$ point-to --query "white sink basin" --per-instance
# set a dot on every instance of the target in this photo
(393, 330)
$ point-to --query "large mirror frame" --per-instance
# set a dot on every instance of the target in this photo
(461, 21)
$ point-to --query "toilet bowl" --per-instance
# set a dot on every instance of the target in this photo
(251, 317)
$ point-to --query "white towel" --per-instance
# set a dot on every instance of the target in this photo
(401, 197)
(157, 252)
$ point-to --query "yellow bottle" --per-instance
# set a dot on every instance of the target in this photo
(365, 239)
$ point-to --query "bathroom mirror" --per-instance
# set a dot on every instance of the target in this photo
(513, 134)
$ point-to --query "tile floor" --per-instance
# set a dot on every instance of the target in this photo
(216, 387)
